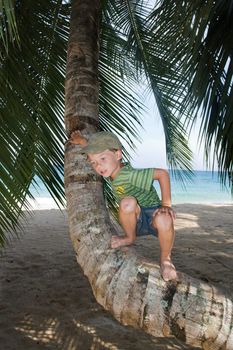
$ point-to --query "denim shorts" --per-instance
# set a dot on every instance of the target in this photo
(144, 222)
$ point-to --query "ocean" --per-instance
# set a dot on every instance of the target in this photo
(205, 188)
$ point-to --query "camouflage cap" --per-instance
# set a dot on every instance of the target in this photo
(101, 141)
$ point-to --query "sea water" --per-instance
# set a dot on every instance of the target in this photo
(205, 188)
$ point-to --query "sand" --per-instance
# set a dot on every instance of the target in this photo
(47, 303)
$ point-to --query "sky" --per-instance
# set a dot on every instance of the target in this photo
(151, 151)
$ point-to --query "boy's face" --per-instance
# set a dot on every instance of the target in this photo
(107, 163)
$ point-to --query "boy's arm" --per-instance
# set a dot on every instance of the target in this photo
(163, 178)
(76, 138)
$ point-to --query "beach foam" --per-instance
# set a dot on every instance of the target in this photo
(42, 203)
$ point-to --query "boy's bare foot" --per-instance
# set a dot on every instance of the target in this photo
(117, 241)
(168, 270)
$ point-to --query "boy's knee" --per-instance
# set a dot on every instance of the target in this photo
(162, 221)
(128, 205)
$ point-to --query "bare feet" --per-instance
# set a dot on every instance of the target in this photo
(168, 270)
(117, 241)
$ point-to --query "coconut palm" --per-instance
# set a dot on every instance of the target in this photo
(181, 51)
(170, 47)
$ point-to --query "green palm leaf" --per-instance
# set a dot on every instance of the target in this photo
(131, 20)
(196, 38)
(8, 26)
(32, 107)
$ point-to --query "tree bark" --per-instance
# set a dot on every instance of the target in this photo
(130, 288)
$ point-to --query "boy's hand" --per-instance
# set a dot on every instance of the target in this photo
(165, 210)
(76, 138)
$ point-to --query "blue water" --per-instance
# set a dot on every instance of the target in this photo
(205, 188)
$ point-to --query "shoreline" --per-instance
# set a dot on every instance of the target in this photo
(47, 203)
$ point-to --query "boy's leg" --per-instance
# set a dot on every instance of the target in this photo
(129, 211)
(163, 222)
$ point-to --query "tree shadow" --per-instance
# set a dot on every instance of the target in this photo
(47, 303)
(207, 243)
(203, 244)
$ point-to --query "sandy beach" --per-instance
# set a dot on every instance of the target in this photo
(47, 303)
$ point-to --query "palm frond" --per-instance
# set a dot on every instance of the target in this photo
(196, 38)
(32, 106)
(117, 84)
(8, 25)
(130, 19)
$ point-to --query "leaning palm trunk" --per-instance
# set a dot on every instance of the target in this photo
(129, 287)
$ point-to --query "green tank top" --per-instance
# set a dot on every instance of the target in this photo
(137, 183)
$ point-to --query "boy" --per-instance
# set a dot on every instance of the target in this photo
(140, 209)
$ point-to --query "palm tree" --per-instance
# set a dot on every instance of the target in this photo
(182, 51)
(129, 37)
